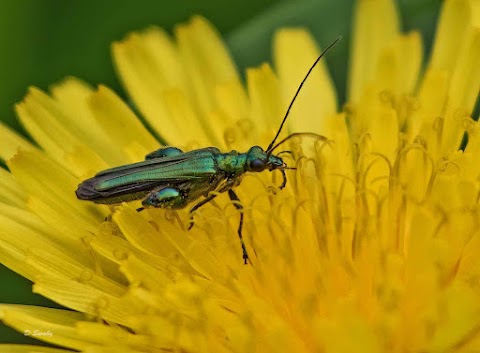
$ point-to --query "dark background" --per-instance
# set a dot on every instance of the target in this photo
(42, 41)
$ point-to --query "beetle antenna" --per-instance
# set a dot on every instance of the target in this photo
(269, 148)
(295, 134)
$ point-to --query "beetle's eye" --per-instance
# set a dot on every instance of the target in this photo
(257, 165)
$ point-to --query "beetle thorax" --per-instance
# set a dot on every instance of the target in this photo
(232, 162)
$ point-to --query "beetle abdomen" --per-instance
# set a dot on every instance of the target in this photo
(87, 191)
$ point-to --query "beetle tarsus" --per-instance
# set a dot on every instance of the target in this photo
(284, 183)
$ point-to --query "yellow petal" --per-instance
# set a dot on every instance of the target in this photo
(116, 339)
(375, 25)
(111, 246)
(427, 118)
(421, 285)
(11, 142)
(464, 88)
(11, 192)
(383, 129)
(348, 324)
(462, 308)
(294, 53)
(232, 109)
(72, 97)
(456, 52)
(24, 348)
(54, 264)
(62, 221)
(89, 300)
(472, 150)
(25, 230)
(14, 259)
(206, 59)
(399, 64)
(122, 125)
(452, 28)
(121, 252)
(152, 278)
(142, 234)
(209, 67)
(469, 267)
(55, 326)
(177, 247)
(148, 64)
(264, 93)
(25, 236)
(181, 110)
(87, 163)
(49, 125)
(52, 184)
(340, 176)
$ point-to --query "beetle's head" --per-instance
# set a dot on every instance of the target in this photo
(258, 160)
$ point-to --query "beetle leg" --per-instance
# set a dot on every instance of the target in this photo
(284, 179)
(233, 196)
(164, 198)
(197, 206)
(284, 182)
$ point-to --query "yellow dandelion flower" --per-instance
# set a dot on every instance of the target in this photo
(373, 246)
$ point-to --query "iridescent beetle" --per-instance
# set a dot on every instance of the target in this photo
(171, 178)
